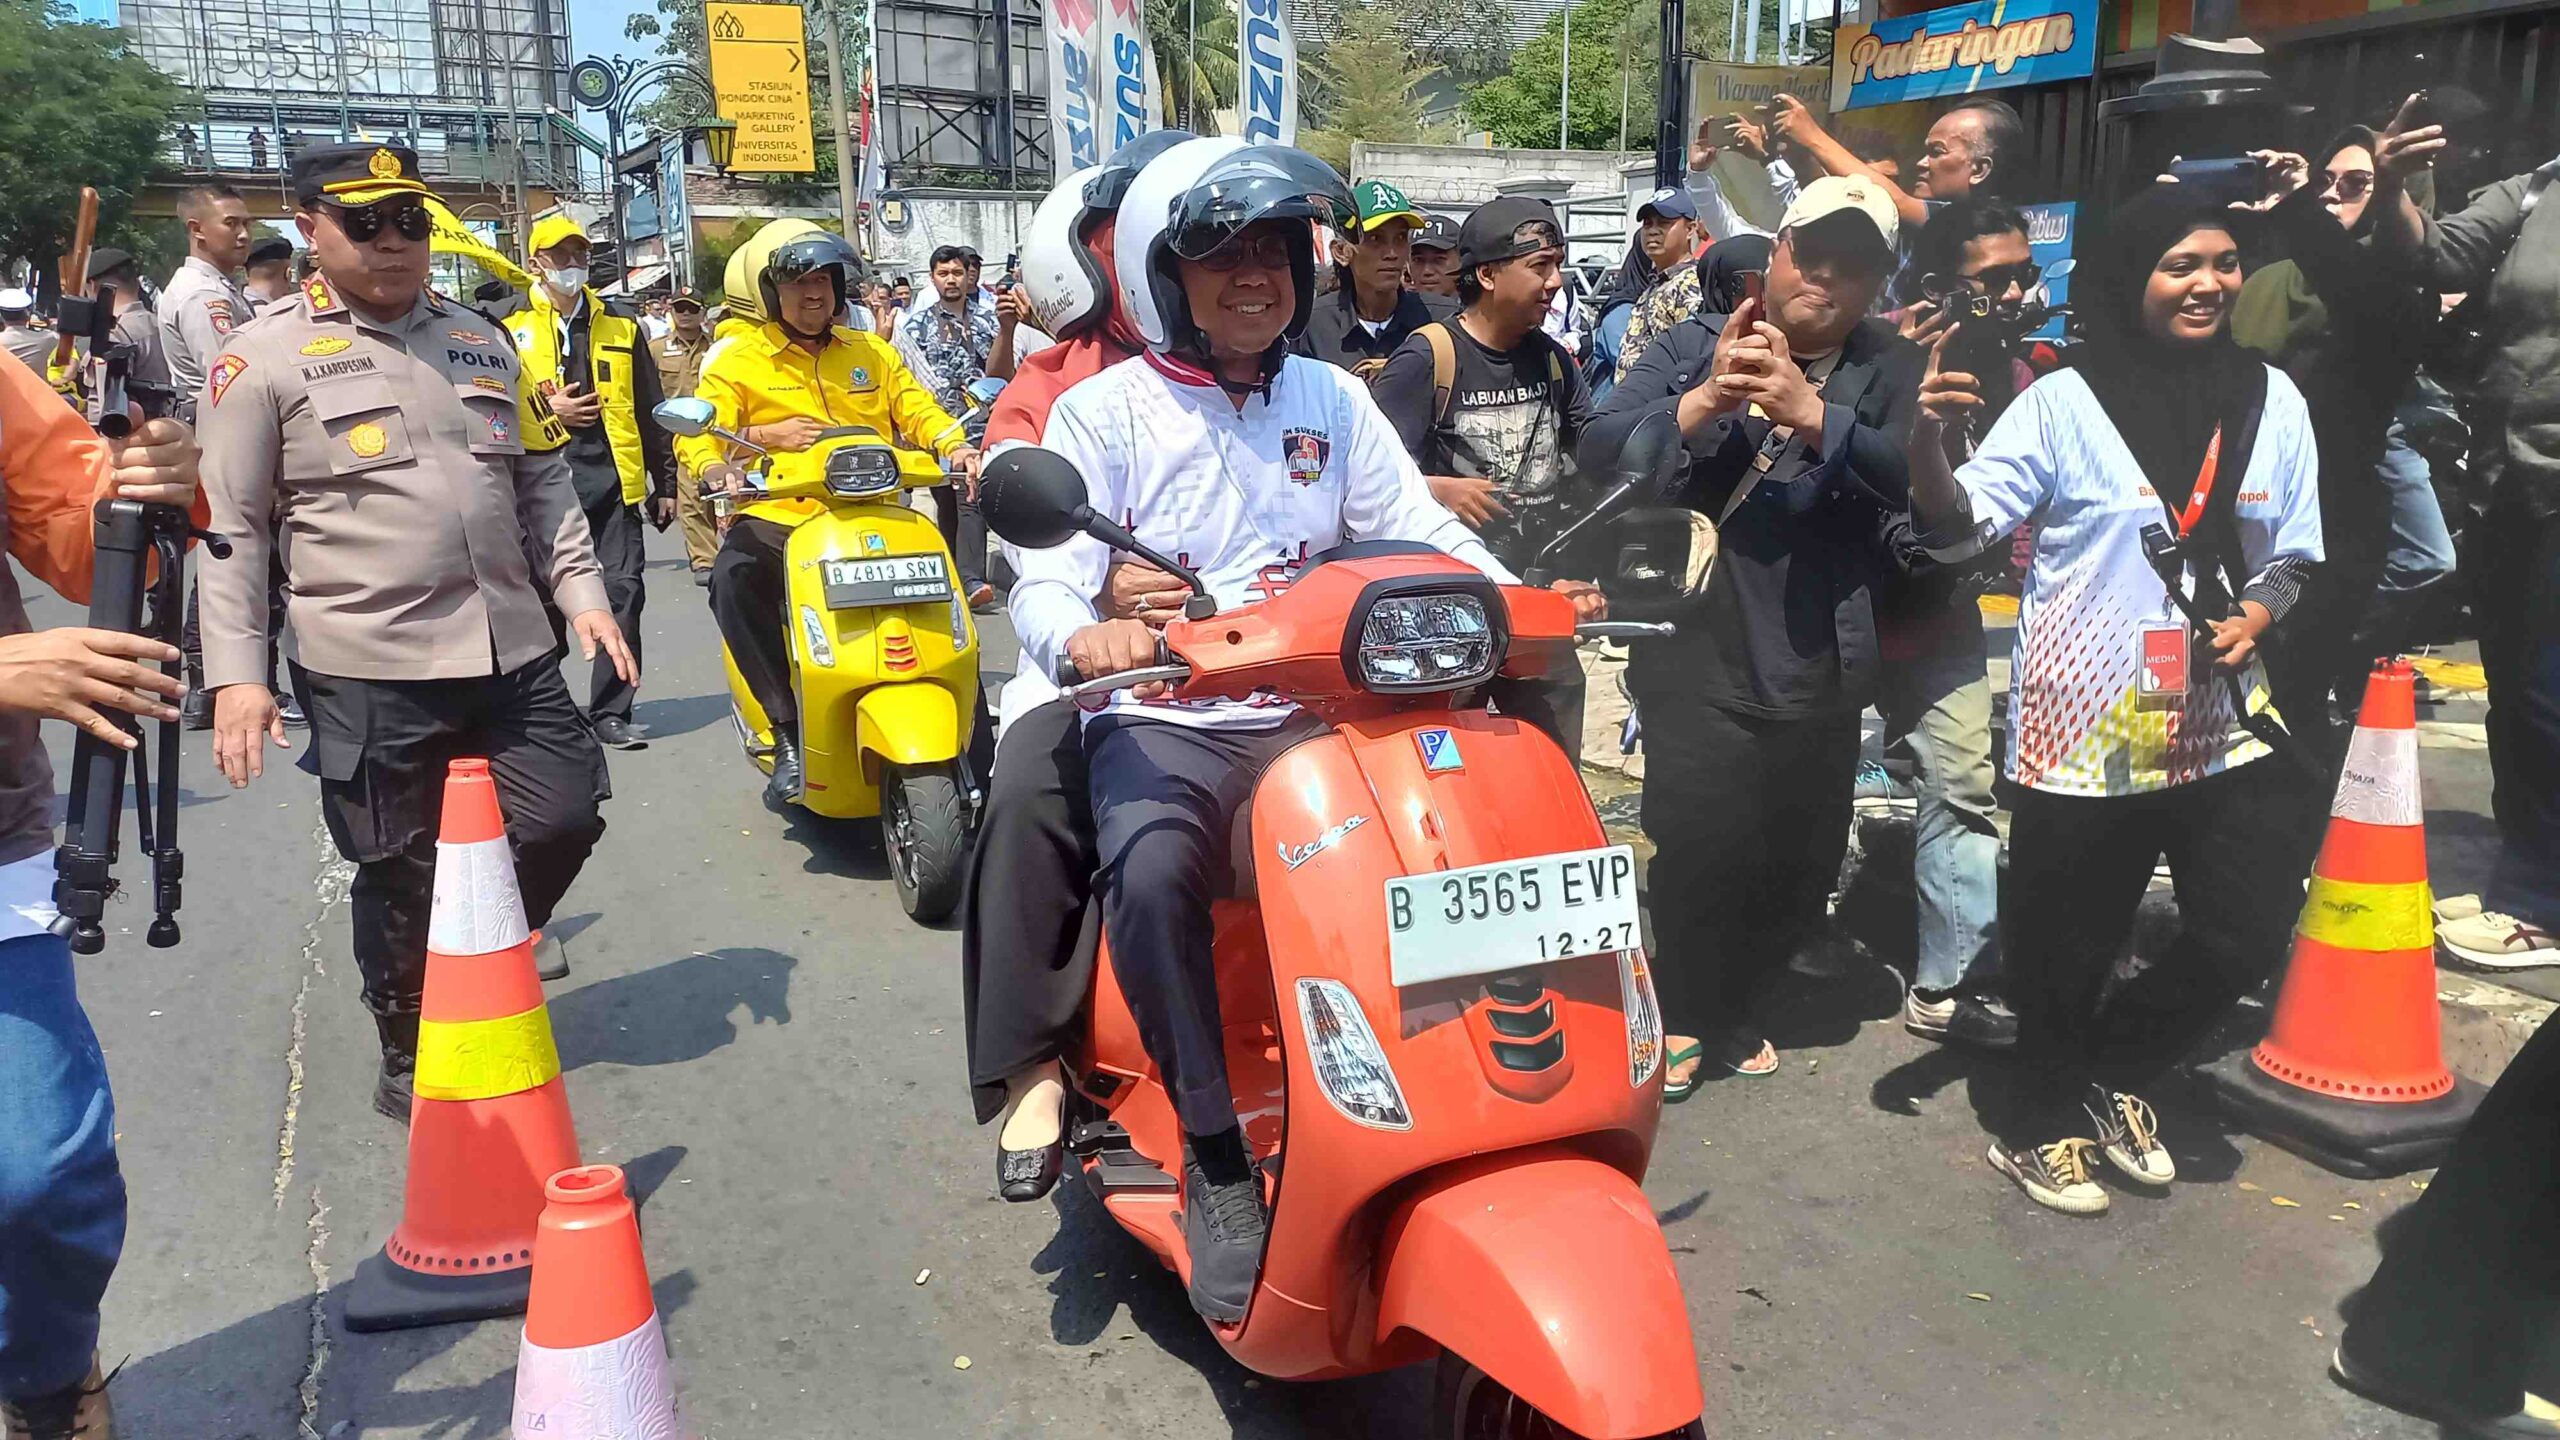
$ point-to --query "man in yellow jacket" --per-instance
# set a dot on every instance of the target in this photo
(588, 357)
(779, 386)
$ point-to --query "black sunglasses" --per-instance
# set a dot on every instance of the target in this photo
(364, 222)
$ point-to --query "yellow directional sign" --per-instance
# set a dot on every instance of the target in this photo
(760, 80)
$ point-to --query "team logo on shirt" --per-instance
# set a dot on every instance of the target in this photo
(499, 430)
(368, 440)
(326, 345)
(225, 370)
(861, 378)
(1306, 451)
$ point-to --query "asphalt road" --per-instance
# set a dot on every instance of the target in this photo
(758, 1034)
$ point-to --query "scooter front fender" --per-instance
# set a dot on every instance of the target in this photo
(913, 722)
(1547, 1271)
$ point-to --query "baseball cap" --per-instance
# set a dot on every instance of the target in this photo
(553, 228)
(1671, 202)
(270, 250)
(1379, 202)
(357, 174)
(1845, 196)
(1438, 232)
(1494, 230)
(16, 299)
(686, 295)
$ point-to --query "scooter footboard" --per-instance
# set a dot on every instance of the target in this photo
(1550, 1274)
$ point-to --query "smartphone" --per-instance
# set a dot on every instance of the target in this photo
(2220, 182)
(1755, 283)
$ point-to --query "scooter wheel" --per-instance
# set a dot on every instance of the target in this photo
(924, 829)
(1468, 1404)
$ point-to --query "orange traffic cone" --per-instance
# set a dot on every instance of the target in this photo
(594, 1362)
(491, 1117)
(2352, 1073)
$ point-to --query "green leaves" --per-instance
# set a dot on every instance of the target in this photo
(81, 111)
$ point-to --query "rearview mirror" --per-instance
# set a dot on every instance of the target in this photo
(684, 417)
(985, 389)
(1650, 450)
(1032, 497)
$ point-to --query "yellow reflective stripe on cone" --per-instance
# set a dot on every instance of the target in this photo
(2355, 916)
(484, 1059)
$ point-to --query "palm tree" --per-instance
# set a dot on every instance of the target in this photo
(1207, 70)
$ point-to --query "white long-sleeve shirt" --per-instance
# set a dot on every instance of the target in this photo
(1244, 497)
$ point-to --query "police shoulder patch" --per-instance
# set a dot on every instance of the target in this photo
(326, 345)
(219, 312)
(225, 370)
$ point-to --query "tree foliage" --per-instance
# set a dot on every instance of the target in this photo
(82, 110)
(1363, 85)
(1199, 76)
(1616, 60)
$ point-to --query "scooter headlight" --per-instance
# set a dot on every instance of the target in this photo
(1428, 641)
(858, 470)
(1350, 1068)
(1644, 1017)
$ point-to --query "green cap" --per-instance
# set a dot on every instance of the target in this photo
(1381, 202)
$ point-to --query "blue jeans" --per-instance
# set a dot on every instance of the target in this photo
(61, 1195)
(1937, 708)
(2519, 610)
(2421, 550)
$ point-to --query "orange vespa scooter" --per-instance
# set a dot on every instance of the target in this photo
(1440, 1029)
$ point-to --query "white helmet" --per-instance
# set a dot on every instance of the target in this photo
(1059, 276)
(1199, 194)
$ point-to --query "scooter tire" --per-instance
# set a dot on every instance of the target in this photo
(924, 828)
(1468, 1404)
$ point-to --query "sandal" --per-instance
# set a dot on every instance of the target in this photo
(1675, 1091)
(1762, 1061)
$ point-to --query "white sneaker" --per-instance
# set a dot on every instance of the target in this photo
(2055, 1176)
(2493, 941)
(2450, 908)
(2130, 1135)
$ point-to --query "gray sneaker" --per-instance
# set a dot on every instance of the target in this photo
(1224, 1227)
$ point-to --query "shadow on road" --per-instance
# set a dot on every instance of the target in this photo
(1097, 1272)
(366, 1380)
(672, 1013)
(684, 714)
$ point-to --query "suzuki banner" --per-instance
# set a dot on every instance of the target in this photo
(1101, 78)
(1269, 92)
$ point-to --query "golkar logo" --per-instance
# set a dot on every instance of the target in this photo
(1306, 451)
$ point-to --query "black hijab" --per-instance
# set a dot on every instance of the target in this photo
(1634, 277)
(1727, 261)
(2164, 397)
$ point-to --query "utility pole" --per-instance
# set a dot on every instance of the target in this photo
(1564, 87)
(1626, 86)
(846, 176)
(1670, 138)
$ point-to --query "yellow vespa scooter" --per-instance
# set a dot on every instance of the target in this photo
(884, 656)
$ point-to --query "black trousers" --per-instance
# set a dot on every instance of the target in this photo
(1025, 969)
(191, 634)
(748, 599)
(2469, 1284)
(2519, 610)
(380, 748)
(1749, 819)
(964, 530)
(619, 533)
(2238, 845)
(1165, 798)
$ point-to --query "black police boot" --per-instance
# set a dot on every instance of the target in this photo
(394, 1090)
(784, 786)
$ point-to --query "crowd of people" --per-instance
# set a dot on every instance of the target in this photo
(2217, 486)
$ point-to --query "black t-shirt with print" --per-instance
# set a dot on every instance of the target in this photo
(1514, 417)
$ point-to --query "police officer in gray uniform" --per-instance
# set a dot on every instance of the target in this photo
(420, 492)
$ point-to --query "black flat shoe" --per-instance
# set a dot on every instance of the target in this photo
(1023, 1176)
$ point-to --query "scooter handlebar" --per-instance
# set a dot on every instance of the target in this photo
(1624, 630)
(1101, 685)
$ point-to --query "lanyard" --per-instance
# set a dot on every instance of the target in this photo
(2204, 486)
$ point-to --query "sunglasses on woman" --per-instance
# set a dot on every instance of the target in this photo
(2349, 184)
(364, 222)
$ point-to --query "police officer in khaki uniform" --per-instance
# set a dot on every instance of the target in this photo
(383, 429)
(679, 355)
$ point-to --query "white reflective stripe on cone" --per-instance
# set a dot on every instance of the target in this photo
(2380, 783)
(619, 1390)
(478, 910)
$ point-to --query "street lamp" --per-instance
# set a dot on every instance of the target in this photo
(720, 141)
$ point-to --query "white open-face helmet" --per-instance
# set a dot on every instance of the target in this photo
(1059, 276)
(1194, 199)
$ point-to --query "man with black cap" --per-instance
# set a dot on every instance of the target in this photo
(1433, 270)
(269, 277)
(421, 486)
(1372, 311)
(1794, 409)
(679, 354)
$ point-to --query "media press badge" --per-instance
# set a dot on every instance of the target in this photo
(2160, 681)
